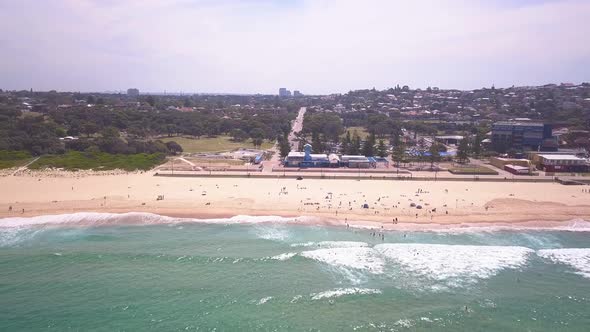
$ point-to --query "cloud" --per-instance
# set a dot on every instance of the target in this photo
(317, 46)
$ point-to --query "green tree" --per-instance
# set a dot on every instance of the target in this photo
(257, 136)
(369, 146)
(476, 148)
(355, 147)
(382, 149)
(399, 152)
(434, 151)
(89, 128)
(463, 150)
(317, 146)
(173, 147)
(151, 100)
(238, 135)
(284, 146)
(346, 142)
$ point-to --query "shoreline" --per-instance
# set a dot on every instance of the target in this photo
(145, 218)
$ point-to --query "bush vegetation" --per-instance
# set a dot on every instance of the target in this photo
(9, 159)
(76, 160)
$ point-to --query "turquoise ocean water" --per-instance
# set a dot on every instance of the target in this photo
(182, 276)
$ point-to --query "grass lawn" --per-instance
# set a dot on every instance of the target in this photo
(75, 160)
(361, 131)
(214, 144)
(9, 159)
(205, 161)
(475, 170)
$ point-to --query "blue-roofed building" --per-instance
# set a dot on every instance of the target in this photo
(306, 159)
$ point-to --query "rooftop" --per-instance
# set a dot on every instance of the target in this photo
(560, 157)
(518, 123)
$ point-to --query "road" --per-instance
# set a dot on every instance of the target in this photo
(296, 127)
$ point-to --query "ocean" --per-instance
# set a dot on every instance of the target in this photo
(140, 272)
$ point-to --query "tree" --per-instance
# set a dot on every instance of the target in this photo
(284, 146)
(476, 148)
(317, 145)
(463, 150)
(174, 147)
(355, 147)
(434, 151)
(369, 146)
(399, 152)
(89, 128)
(382, 149)
(346, 142)
(257, 136)
(151, 100)
(110, 132)
(238, 135)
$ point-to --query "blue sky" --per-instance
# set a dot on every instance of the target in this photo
(316, 46)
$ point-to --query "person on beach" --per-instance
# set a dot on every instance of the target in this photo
(10, 208)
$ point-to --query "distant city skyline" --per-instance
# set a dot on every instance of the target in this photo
(320, 47)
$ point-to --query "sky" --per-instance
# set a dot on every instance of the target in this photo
(315, 46)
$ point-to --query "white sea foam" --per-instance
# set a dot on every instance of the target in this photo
(331, 244)
(264, 300)
(454, 263)
(95, 218)
(14, 236)
(284, 257)
(405, 323)
(244, 219)
(358, 258)
(271, 233)
(578, 258)
(344, 291)
(92, 218)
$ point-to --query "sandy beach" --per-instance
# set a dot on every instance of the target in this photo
(338, 202)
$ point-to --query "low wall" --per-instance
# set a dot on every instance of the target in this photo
(351, 177)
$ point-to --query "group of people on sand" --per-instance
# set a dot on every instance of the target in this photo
(10, 209)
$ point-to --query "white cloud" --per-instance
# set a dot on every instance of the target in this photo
(318, 46)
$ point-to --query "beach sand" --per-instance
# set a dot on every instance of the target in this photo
(335, 202)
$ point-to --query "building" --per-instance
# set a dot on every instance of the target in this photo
(133, 92)
(502, 162)
(356, 161)
(522, 136)
(567, 163)
(307, 159)
(517, 170)
(283, 92)
(449, 139)
(297, 93)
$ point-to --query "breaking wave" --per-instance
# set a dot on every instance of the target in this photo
(358, 258)
(452, 263)
(577, 258)
(331, 244)
(96, 219)
(344, 291)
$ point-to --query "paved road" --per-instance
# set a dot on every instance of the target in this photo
(296, 127)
